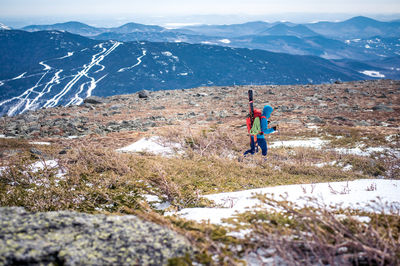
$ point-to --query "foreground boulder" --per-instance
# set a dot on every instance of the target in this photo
(73, 238)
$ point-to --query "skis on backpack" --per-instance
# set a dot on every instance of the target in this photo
(251, 113)
(251, 107)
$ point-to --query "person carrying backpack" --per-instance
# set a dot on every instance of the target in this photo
(253, 139)
(260, 129)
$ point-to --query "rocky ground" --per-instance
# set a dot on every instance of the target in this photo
(366, 112)
(364, 103)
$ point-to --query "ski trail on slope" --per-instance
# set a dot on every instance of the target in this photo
(78, 100)
(24, 97)
(20, 76)
(47, 89)
(69, 54)
(17, 77)
(52, 102)
(97, 58)
(46, 67)
(135, 65)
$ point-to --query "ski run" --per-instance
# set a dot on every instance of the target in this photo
(31, 98)
(139, 59)
(96, 59)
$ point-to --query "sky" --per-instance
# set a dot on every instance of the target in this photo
(160, 10)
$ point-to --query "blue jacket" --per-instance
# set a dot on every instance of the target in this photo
(264, 121)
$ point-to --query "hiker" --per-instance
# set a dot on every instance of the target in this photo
(259, 129)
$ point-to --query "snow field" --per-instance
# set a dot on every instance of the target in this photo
(357, 194)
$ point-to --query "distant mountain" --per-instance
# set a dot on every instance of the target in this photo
(135, 27)
(4, 27)
(89, 31)
(384, 68)
(357, 27)
(316, 45)
(234, 30)
(343, 41)
(46, 69)
(377, 47)
(72, 27)
(283, 29)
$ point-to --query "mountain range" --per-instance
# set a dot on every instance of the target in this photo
(62, 64)
(330, 40)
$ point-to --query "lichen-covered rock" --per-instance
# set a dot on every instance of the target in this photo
(72, 238)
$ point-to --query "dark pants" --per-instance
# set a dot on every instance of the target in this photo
(263, 145)
(261, 142)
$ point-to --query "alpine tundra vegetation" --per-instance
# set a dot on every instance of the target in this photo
(113, 170)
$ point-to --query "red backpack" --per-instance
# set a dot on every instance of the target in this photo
(257, 113)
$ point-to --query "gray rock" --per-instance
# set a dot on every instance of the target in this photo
(351, 91)
(382, 107)
(285, 108)
(71, 238)
(362, 123)
(143, 94)
(35, 152)
(315, 119)
(159, 107)
(340, 118)
(94, 100)
(117, 107)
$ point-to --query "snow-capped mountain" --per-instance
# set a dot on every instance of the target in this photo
(49, 68)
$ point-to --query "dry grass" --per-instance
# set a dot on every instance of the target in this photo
(309, 236)
(95, 179)
(99, 179)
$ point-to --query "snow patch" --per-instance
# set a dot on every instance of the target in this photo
(40, 143)
(208, 43)
(372, 73)
(309, 143)
(166, 53)
(355, 194)
(2, 136)
(155, 145)
(225, 41)
(361, 152)
(156, 202)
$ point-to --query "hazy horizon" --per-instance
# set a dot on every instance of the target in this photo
(176, 21)
(102, 13)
